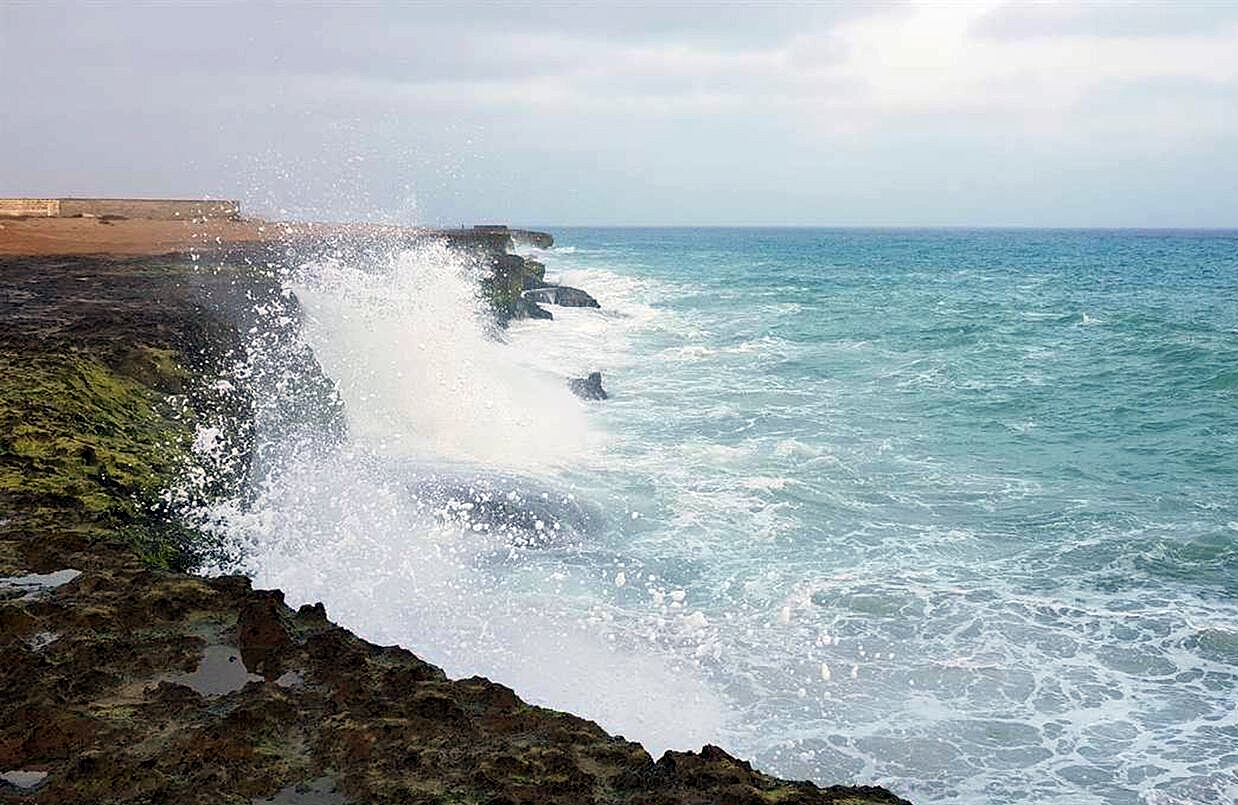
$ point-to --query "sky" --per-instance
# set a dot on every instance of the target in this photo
(675, 113)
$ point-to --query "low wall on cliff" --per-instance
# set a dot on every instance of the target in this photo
(148, 208)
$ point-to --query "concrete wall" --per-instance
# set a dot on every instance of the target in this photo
(150, 209)
(155, 209)
(30, 207)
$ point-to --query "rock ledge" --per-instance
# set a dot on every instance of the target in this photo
(129, 680)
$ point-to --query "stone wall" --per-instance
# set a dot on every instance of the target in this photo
(30, 207)
(149, 209)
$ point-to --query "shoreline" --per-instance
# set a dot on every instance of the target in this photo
(127, 678)
(110, 236)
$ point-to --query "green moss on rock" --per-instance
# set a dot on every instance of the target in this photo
(106, 369)
(74, 431)
(510, 276)
(76, 435)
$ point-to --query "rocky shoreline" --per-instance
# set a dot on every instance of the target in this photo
(127, 678)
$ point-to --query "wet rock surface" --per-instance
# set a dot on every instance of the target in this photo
(136, 682)
(588, 388)
(560, 295)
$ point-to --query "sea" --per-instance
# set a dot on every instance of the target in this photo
(949, 511)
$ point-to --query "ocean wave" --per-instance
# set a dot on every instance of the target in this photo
(858, 533)
(419, 375)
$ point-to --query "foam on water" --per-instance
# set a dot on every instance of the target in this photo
(418, 373)
(443, 523)
(888, 520)
(988, 635)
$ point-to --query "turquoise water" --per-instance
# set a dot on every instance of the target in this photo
(950, 511)
(996, 468)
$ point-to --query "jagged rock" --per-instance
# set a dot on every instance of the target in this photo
(561, 295)
(588, 388)
(528, 309)
(573, 297)
(540, 240)
(502, 288)
(535, 274)
(261, 636)
(96, 712)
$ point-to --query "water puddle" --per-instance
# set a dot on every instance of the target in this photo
(34, 585)
(219, 671)
(320, 791)
(25, 780)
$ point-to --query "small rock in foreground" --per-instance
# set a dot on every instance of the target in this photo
(588, 388)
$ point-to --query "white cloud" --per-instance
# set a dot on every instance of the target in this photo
(961, 102)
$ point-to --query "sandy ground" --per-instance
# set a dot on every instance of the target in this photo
(32, 237)
(84, 236)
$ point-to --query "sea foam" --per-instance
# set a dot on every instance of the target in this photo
(827, 441)
(444, 521)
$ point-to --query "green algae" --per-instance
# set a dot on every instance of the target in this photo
(503, 288)
(78, 436)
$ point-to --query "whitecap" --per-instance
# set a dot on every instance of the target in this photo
(765, 483)
(794, 447)
(689, 352)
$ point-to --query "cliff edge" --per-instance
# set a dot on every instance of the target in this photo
(126, 678)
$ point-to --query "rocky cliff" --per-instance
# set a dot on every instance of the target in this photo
(124, 677)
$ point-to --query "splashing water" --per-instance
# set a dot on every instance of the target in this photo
(864, 507)
(441, 524)
(418, 373)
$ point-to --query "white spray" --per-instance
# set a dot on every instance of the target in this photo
(441, 524)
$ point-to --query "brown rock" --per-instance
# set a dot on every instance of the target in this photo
(262, 638)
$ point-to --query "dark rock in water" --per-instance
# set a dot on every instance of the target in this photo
(534, 274)
(515, 285)
(588, 388)
(573, 297)
(509, 275)
(561, 295)
(529, 309)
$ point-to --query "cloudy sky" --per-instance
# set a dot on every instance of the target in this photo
(702, 113)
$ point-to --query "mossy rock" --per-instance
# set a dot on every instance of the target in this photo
(74, 431)
(77, 436)
(509, 277)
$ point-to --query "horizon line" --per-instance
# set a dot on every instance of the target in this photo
(904, 227)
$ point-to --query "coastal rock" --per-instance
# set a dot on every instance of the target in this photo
(528, 309)
(538, 240)
(262, 638)
(106, 369)
(515, 287)
(503, 286)
(561, 295)
(535, 274)
(588, 388)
